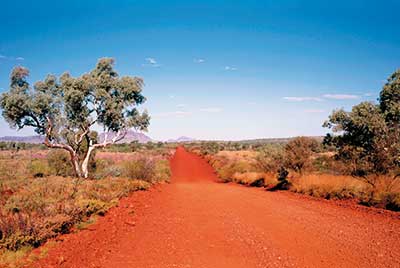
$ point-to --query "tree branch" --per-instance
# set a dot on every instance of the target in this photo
(118, 137)
(48, 142)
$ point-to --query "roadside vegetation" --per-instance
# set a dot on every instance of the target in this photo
(40, 198)
(359, 159)
(77, 173)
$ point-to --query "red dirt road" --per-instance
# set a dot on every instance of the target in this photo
(196, 222)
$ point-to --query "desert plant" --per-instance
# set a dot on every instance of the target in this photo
(38, 168)
(270, 160)
(141, 169)
(59, 163)
(298, 153)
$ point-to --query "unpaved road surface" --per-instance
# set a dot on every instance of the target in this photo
(196, 222)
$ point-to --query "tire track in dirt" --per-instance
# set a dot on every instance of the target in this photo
(196, 222)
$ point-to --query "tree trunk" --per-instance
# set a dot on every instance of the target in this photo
(75, 164)
(85, 163)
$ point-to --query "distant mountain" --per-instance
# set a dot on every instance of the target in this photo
(129, 137)
(181, 139)
(25, 139)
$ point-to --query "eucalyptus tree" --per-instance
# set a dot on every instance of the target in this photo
(367, 138)
(67, 110)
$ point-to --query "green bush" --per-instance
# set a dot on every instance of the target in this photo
(60, 163)
(106, 169)
(140, 169)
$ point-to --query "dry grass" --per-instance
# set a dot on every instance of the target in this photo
(329, 186)
(35, 208)
(248, 178)
(240, 167)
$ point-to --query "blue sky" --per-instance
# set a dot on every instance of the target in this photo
(215, 69)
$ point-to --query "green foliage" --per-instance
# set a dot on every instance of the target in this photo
(389, 99)
(298, 152)
(59, 163)
(368, 137)
(270, 160)
(141, 169)
(64, 109)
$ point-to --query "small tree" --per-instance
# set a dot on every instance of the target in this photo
(65, 110)
(270, 159)
(298, 152)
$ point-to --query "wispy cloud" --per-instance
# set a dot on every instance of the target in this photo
(151, 62)
(300, 99)
(177, 114)
(324, 97)
(181, 105)
(211, 110)
(230, 68)
(314, 111)
(341, 96)
(199, 60)
(368, 94)
(4, 57)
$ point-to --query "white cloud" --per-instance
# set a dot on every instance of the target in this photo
(341, 96)
(199, 60)
(211, 110)
(181, 105)
(314, 111)
(299, 99)
(323, 97)
(152, 62)
(368, 94)
(252, 103)
(173, 114)
(230, 68)
(11, 58)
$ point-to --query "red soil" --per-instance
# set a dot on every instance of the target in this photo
(195, 222)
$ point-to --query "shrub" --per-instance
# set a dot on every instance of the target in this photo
(270, 161)
(106, 169)
(140, 169)
(298, 153)
(227, 172)
(60, 163)
(44, 207)
(162, 171)
(283, 183)
(38, 168)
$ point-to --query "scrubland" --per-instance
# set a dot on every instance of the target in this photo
(320, 175)
(40, 198)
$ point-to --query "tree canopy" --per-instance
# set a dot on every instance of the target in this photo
(368, 137)
(66, 110)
